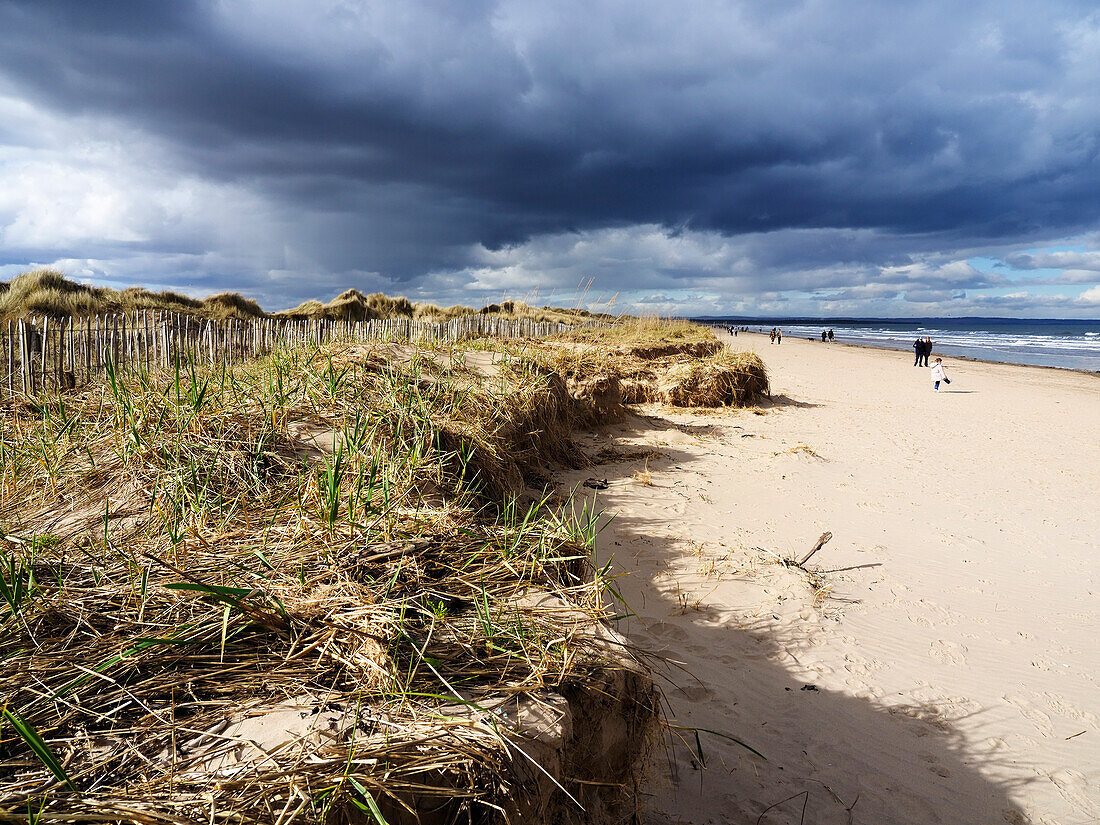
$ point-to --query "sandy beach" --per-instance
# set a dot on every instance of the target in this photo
(939, 659)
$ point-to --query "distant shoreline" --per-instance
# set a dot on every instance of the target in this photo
(885, 348)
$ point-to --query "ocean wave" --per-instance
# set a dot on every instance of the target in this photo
(1078, 349)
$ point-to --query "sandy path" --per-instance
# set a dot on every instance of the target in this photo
(954, 646)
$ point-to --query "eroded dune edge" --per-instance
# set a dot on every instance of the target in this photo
(333, 583)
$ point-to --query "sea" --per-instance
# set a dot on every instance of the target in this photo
(1069, 344)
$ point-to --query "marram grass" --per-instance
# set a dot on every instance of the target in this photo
(179, 549)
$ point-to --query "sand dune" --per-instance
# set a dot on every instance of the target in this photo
(942, 663)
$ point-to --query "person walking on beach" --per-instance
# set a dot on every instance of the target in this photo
(830, 335)
(927, 349)
(824, 335)
(918, 350)
(938, 375)
(773, 335)
(778, 335)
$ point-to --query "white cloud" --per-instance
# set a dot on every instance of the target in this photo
(690, 272)
(1071, 260)
(1090, 297)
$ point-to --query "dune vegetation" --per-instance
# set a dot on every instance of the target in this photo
(334, 541)
(331, 583)
(49, 292)
(644, 360)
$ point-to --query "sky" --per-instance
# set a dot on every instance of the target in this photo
(769, 158)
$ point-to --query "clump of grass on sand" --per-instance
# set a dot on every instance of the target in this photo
(650, 360)
(725, 379)
(326, 540)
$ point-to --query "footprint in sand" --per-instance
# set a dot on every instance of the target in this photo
(665, 630)
(949, 653)
(995, 745)
(1039, 719)
(1060, 706)
(1020, 743)
(1075, 789)
(859, 666)
(693, 692)
(934, 766)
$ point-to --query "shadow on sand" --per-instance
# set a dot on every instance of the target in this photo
(777, 401)
(831, 757)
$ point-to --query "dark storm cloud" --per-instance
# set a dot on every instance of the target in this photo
(402, 138)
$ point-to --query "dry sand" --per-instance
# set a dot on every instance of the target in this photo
(945, 667)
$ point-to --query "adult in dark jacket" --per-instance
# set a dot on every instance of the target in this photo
(927, 349)
(918, 350)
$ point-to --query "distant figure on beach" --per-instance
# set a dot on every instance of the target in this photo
(923, 348)
(830, 335)
(938, 375)
(778, 335)
(824, 335)
(773, 335)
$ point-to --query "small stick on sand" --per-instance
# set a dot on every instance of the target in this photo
(820, 543)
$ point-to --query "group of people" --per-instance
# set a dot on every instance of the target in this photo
(777, 335)
(734, 330)
(826, 335)
(922, 347)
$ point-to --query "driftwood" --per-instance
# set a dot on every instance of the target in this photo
(820, 543)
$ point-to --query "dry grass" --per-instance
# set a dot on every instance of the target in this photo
(726, 379)
(177, 556)
(48, 292)
(800, 449)
(647, 338)
(353, 305)
(431, 312)
(518, 309)
(668, 362)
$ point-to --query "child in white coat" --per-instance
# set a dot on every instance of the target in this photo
(938, 375)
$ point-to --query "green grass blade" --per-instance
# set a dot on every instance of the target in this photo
(211, 589)
(39, 746)
(368, 798)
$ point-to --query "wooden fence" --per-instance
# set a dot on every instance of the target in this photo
(44, 354)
